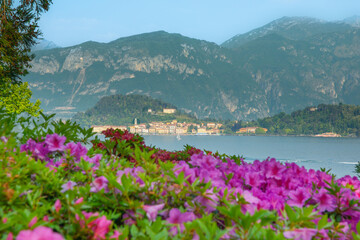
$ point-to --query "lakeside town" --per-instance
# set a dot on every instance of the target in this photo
(168, 128)
(175, 127)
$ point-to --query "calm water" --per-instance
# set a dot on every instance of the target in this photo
(339, 154)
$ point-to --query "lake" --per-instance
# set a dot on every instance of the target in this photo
(339, 154)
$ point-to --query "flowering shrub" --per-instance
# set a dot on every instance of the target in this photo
(51, 188)
(122, 143)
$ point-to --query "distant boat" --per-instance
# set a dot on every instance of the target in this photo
(178, 137)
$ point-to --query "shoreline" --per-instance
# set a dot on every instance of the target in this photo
(240, 135)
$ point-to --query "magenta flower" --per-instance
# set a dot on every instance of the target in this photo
(204, 161)
(253, 179)
(178, 218)
(33, 221)
(68, 186)
(55, 142)
(274, 169)
(209, 200)
(152, 210)
(94, 160)
(79, 201)
(301, 234)
(10, 236)
(98, 184)
(76, 149)
(100, 227)
(326, 201)
(41, 152)
(298, 197)
(4, 139)
(116, 235)
(29, 146)
(57, 205)
(39, 233)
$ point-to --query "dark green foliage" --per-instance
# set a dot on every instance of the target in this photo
(25, 127)
(19, 31)
(122, 110)
(340, 118)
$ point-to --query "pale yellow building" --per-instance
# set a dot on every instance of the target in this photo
(169, 110)
(99, 129)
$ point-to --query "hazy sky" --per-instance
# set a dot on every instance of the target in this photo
(71, 22)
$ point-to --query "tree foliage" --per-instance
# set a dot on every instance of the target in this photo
(121, 109)
(19, 31)
(15, 98)
(339, 118)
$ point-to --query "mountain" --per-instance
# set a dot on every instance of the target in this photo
(293, 28)
(197, 76)
(284, 66)
(122, 110)
(43, 45)
(354, 21)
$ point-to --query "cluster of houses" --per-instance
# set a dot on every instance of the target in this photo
(251, 130)
(174, 127)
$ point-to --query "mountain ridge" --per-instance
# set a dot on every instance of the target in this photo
(259, 78)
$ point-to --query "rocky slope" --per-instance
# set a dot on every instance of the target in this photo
(268, 72)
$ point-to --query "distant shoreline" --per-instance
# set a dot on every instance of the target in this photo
(240, 135)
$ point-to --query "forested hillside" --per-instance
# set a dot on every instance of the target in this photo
(123, 109)
(340, 118)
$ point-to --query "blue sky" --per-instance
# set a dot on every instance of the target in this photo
(71, 22)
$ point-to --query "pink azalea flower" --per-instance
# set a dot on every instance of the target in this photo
(39, 233)
(178, 218)
(325, 200)
(298, 197)
(4, 139)
(29, 146)
(79, 201)
(55, 142)
(128, 220)
(76, 150)
(68, 186)
(98, 184)
(33, 221)
(94, 160)
(301, 234)
(152, 210)
(253, 179)
(100, 227)
(57, 205)
(116, 235)
(274, 169)
(41, 152)
(10, 236)
(204, 161)
(209, 201)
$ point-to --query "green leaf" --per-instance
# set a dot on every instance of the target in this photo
(323, 222)
(290, 213)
